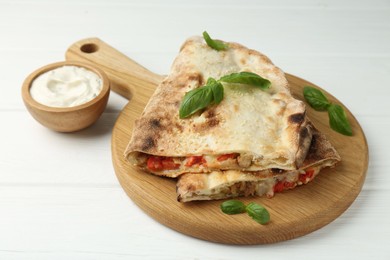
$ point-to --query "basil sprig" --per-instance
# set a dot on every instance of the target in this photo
(213, 92)
(338, 120)
(254, 210)
(215, 44)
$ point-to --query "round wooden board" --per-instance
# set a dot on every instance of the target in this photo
(293, 213)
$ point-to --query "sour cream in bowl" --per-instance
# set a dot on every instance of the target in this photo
(66, 86)
(66, 96)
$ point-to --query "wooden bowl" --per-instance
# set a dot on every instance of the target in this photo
(66, 119)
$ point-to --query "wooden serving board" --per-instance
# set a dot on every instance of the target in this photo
(293, 213)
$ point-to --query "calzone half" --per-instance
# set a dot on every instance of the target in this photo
(232, 183)
(251, 130)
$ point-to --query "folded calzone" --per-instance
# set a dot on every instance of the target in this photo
(251, 130)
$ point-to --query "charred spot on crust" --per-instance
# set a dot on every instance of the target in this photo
(296, 118)
(303, 135)
(179, 127)
(196, 77)
(210, 113)
(177, 103)
(211, 118)
(313, 145)
(252, 52)
(314, 152)
(148, 144)
(155, 123)
(212, 122)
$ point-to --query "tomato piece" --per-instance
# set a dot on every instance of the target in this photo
(169, 164)
(310, 173)
(158, 163)
(224, 157)
(307, 176)
(279, 186)
(283, 185)
(195, 160)
(289, 185)
(154, 163)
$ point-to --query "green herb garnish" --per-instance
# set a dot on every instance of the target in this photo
(215, 44)
(316, 98)
(338, 120)
(254, 210)
(233, 207)
(212, 93)
(258, 213)
(247, 78)
(200, 98)
(217, 90)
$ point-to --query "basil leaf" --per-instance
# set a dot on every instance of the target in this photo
(217, 89)
(247, 78)
(215, 44)
(213, 91)
(338, 120)
(195, 100)
(316, 98)
(233, 207)
(258, 213)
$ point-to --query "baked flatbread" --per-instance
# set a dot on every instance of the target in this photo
(250, 130)
(230, 184)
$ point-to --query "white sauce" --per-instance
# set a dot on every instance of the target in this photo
(66, 86)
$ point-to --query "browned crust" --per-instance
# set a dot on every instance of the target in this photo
(320, 150)
(305, 134)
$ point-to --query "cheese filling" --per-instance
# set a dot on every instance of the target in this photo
(202, 163)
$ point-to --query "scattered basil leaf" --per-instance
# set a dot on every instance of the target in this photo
(247, 78)
(258, 213)
(215, 44)
(254, 210)
(338, 120)
(316, 98)
(233, 207)
(195, 100)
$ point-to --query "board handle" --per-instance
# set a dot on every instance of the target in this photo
(125, 75)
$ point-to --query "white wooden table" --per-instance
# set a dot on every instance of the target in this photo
(59, 197)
